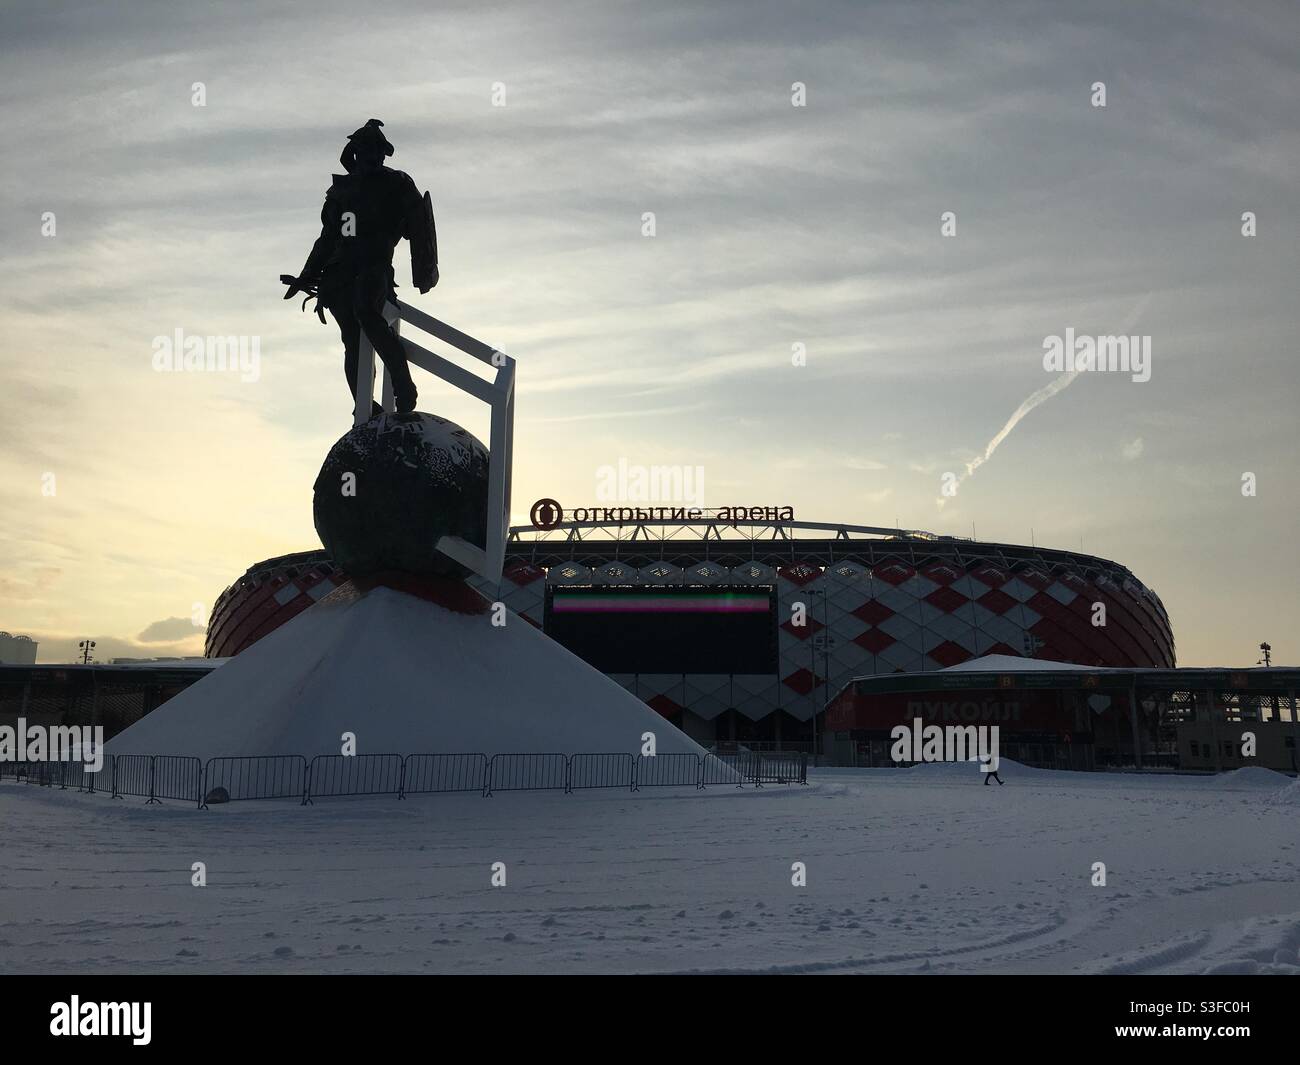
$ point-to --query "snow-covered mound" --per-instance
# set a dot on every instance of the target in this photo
(1251, 776)
(1286, 796)
(406, 675)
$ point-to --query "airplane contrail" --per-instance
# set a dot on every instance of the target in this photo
(1037, 399)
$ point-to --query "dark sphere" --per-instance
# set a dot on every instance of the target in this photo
(389, 489)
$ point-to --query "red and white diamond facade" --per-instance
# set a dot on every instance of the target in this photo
(871, 601)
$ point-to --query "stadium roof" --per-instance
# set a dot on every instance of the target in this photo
(159, 670)
(731, 534)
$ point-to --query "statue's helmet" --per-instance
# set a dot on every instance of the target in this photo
(370, 138)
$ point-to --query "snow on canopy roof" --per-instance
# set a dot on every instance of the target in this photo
(1013, 664)
(1016, 664)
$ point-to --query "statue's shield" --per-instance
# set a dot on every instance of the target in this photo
(424, 247)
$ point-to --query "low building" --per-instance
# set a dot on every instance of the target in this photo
(1065, 716)
(112, 696)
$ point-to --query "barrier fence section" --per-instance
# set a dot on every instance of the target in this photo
(266, 776)
(133, 775)
(757, 767)
(427, 774)
(779, 767)
(602, 771)
(725, 770)
(667, 771)
(354, 774)
(105, 779)
(291, 776)
(177, 776)
(527, 772)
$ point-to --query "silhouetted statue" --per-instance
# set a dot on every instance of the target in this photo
(350, 268)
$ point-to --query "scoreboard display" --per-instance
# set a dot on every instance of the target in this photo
(670, 629)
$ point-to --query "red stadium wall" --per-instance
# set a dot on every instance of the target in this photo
(878, 612)
(267, 596)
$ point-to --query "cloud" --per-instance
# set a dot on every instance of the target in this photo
(1133, 449)
(54, 648)
(169, 630)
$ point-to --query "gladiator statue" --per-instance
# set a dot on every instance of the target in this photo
(350, 268)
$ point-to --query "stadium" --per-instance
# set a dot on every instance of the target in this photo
(742, 627)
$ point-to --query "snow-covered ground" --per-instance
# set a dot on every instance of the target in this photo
(907, 870)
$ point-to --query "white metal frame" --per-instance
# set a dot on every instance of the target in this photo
(498, 394)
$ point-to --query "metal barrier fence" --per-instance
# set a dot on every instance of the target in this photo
(177, 776)
(759, 767)
(133, 775)
(66, 775)
(426, 774)
(777, 767)
(728, 770)
(668, 771)
(602, 771)
(357, 774)
(527, 772)
(266, 776)
(104, 780)
(290, 776)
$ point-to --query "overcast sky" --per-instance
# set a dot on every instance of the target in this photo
(775, 225)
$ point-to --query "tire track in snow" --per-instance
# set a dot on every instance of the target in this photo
(1011, 939)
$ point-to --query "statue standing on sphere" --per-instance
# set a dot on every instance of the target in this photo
(350, 268)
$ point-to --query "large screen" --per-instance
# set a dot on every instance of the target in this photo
(666, 630)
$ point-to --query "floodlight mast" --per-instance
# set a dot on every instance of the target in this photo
(498, 394)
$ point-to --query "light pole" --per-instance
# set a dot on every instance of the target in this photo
(1267, 661)
(86, 647)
